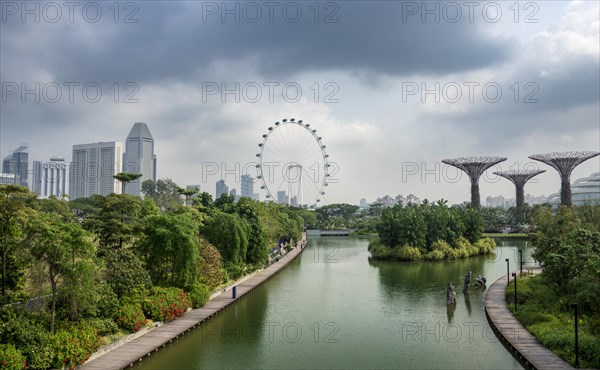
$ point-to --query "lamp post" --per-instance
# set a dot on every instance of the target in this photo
(507, 273)
(574, 307)
(521, 260)
(514, 274)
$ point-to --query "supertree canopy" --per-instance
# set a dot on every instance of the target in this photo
(564, 163)
(474, 167)
(519, 178)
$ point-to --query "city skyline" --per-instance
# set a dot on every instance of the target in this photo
(388, 111)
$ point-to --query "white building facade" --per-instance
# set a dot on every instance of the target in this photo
(93, 168)
(51, 177)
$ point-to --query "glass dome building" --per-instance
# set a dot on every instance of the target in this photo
(585, 190)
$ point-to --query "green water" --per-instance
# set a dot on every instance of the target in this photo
(332, 308)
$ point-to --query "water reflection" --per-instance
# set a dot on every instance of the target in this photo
(468, 303)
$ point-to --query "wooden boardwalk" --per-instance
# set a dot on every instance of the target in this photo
(135, 350)
(523, 345)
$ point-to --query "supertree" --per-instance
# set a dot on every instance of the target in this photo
(519, 178)
(474, 167)
(564, 163)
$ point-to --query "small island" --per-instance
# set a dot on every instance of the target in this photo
(431, 232)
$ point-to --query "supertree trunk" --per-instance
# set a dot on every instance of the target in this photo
(565, 193)
(475, 200)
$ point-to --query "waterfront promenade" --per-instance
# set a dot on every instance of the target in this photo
(515, 337)
(137, 349)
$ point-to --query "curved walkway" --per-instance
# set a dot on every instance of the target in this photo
(516, 338)
(137, 349)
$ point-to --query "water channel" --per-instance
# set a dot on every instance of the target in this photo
(333, 308)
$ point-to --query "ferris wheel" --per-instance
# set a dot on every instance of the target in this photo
(293, 166)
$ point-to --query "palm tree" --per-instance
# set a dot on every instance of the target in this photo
(125, 178)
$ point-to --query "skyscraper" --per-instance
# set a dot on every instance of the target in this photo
(51, 178)
(17, 163)
(247, 186)
(222, 188)
(93, 168)
(139, 157)
(282, 197)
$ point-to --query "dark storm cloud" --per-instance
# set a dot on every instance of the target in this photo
(176, 40)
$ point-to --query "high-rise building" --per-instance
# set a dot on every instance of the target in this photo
(282, 197)
(139, 157)
(93, 168)
(363, 205)
(222, 188)
(17, 163)
(233, 193)
(7, 178)
(247, 186)
(51, 177)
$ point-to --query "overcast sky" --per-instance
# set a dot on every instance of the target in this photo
(511, 80)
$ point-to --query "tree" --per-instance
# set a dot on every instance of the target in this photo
(149, 189)
(258, 248)
(170, 248)
(117, 222)
(149, 208)
(126, 273)
(125, 178)
(165, 193)
(225, 203)
(226, 232)
(14, 206)
(204, 201)
(400, 226)
(473, 224)
(63, 248)
(210, 265)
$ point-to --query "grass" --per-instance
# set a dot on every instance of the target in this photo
(546, 316)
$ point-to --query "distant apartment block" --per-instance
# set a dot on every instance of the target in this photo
(51, 177)
(282, 197)
(93, 168)
(247, 186)
(7, 178)
(221, 188)
(17, 163)
(139, 157)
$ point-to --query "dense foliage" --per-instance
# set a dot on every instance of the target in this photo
(567, 245)
(543, 315)
(93, 269)
(430, 232)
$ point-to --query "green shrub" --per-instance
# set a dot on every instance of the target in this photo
(407, 253)
(28, 333)
(234, 271)
(379, 250)
(166, 304)
(199, 295)
(75, 345)
(130, 317)
(485, 245)
(443, 246)
(435, 255)
(11, 358)
(103, 326)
